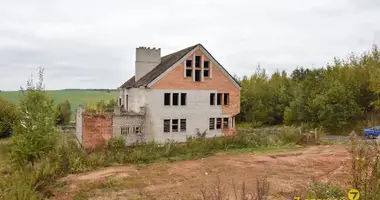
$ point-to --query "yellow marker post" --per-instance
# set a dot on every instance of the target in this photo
(353, 194)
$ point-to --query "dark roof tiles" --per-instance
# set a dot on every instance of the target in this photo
(166, 62)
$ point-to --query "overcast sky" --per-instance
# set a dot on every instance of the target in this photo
(91, 43)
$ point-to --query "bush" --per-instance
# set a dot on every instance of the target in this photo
(8, 115)
(63, 112)
(365, 167)
(319, 190)
(34, 133)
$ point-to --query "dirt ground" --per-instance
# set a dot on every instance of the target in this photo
(285, 172)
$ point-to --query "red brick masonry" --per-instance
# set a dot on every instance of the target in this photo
(97, 129)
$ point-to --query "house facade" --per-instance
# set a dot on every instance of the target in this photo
(174, 96)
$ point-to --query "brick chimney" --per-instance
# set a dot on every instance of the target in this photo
(146, 59)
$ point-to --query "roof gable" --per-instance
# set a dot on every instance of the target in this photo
(166, 62)
(170, 61)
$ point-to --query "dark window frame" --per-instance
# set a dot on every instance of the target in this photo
(219, 99)
(225, 119)
(212, 99)
(189, 63)
(175, 125)
(197, 61)
(166, 125)
(136, 129)
(190, 74)
(226, 98)
(167, 99)
(206, 64)
(206, 73)
(183, 99)
(211, 124)
(197, 76)
(175, 97)
(183, 125)
(124, 130)
(218, 123)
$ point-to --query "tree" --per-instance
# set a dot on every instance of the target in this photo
(335, 112)
(34, 131)
(63, 112)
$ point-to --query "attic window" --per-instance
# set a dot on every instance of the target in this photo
(189, 63)
(205, 73)
(206, 64)
(197, 61)
(197, 75)
(189, 72)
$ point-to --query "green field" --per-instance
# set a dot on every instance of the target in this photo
(75, 97)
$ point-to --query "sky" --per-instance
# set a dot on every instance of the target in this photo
(92, 43)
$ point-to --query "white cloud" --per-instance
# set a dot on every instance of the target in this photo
(91, 44)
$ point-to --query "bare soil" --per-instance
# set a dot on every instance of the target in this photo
(285, 171)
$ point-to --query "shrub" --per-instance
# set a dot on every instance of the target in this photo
(63, 112)
(34, 132)
(321, 190)
(365, 167)
(8, 115)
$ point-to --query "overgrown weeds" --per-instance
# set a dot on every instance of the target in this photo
(365, 167)
(219, 191)
(68, 157)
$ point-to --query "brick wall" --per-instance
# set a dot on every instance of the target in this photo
(96, 130)
(219, 82)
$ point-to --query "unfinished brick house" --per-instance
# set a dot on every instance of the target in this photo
(171, 97)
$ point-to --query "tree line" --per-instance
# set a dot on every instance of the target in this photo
(338, 97)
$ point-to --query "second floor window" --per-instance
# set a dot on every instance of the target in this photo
(219, 99)
(175, 99)
(212, 99)
(183, 99)
(226, 98)
(167, 99)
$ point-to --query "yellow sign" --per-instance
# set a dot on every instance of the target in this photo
(353, 194)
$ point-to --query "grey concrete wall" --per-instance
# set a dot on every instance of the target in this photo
(136, 98)
(146, 60)
(197, 113)
(79, 123)
(130, 122)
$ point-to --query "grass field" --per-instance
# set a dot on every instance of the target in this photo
(75, 97)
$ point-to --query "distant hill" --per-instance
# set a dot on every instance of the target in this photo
(74, 96)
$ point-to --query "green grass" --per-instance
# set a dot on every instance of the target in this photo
(75, 97)
(264, 150)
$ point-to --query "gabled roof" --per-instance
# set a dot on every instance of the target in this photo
(166, 62)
